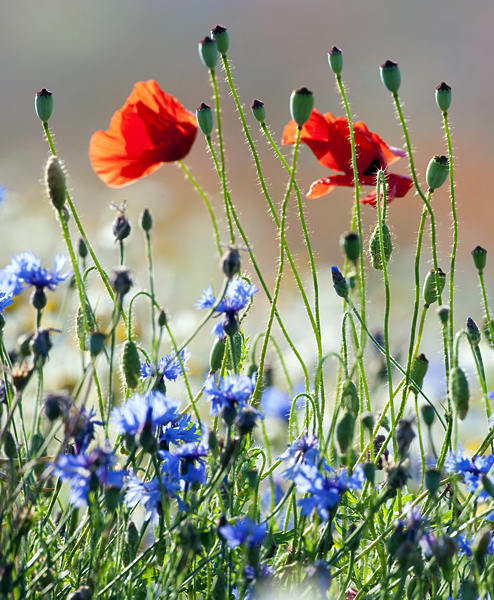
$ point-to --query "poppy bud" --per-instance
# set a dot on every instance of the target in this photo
(344, 432)
(430, 291)
(443, 96)
(437, 172)
(375, 247)
(231, 262)
(443, 314)
(204, 116)
(301, 105)
(236, 347)
(370, 472)
(220, 34)
(479, 258)
(96, 343)
(427, 414)
(82, 248)
(481, 545)
(335, 58)
(146, 220)
(391, 76)
(258, 110)
(132, 535)
(349, 397)
(473, 332)
(55, 182)
(419, 369)
(350, 242)
(162, 319)
(121, 281)
(216, 355)
(9, 446)
(131, 365)
(43, 103)
(121, 226)
(208, 51)
(432, 480)
(368, 421)
(458, 389)
(339, 283)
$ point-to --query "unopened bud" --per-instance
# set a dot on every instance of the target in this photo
(132, 535)
(339, 283)
(82, 248)
(443, 314)
(479, 258)
(131, 365)
(208, 51)
(55, 182)
(258, 110)
(375, 247)
(204, 116)
(443, 96)
(350, 243)
(231, 262)
(419, 369)
(121, 281)
(432, 480)
(430, 290)
(428, 414)
(335, 58)
(391, 76)
(344, 432)
(162, 319)
(216, 355)
(146, 220)
(9, 446)
(437, 172)
(459, 391)
(121, 226)
(220, 34)
(43, 103)
(473, 332)
(404, 437)
(301, 105)
(96, 342)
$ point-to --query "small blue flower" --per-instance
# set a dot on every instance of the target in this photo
(10, 283)
(82, 428)
(153, 406)
(232, 392)
(458, 463)
(238, 293)
(244, 531)
(178, 431)
(304, 451)
(5, 300)
(192, 463)
(168, 367)
(278, 404)
(27, 268)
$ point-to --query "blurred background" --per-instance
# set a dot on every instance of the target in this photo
(90, 54)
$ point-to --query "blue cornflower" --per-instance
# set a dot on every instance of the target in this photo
(180, 430)
(87, 472)
(81, 426)
(231, 393)
(10, 283)
(278, 404)
(472, 470)
(153, 407)
(464, 545)
(192, 463)
(258, 579)
(244, 531)
(27, 268)
(168, 367)
(304, 451)
(5, 300)
(238, 293)
(457, 463)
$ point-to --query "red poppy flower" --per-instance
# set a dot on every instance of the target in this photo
(329, 139)
(150, 129)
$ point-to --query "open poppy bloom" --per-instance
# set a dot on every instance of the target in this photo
(329, 139)
(150, 129)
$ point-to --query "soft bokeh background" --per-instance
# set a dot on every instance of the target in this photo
(90, 53)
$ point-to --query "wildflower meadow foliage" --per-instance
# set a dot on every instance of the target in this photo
(164, 473)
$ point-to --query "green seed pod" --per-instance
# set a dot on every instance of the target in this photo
(9, 446)
(204, 116)
(335, 58)
(208, 51)
(479, 258)
(258, 110)
(43, 103)
(432, 480)
(473, 332)
(220, 34)
(443, 96)
(430, 291)
(82, 333)
(340, 284)
(344, 432)
(419, 369)
(349, 397)
(216, 355)
(437, 172)
(146, 220)
(375, 247)
(301, 105)
(236, 342)
(131, 365)
(391, 76)
(55, 182)
(428, 414)
(350, 243)
(458, 389)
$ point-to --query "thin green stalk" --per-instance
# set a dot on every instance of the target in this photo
(149, 255)
(486, 307)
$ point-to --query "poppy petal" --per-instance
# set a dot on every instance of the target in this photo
(323, 186)
(397, 187)
(151, 128)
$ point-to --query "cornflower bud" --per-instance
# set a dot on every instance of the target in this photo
(146, 220)
(247, 420)
(350, 242)
(121, 225)
(220, 34)
(437, 172)
(41, 343)
(473, 332)
(208, 51)
(335, 58)
(443, 96)
(391, 76)
(479, 258)
(43, 103)
(301, 105)
(339, 283)
(231, 262)
(430, 291)
(147, 438)
(121, 281)
(375, 247)
(204, 116)
(258, 110)
(230, 324)
(55, 183)
(39, 299)
(82, 248)
(162, 319)
(216, 355)
(459, 391)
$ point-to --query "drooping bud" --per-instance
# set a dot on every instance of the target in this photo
(479, 258)
(437, 172)
(335, 58)
(258, 110)
(432, 480)
(55, 182)
(419, 369)
(368, 421)
(146, 220)
(350, 243)
(231, 262)
(82, 248)
(340, 284)
(473, 332)
(121, 225)
(220, 34)
(344, 432)
(216, 355)
(443, 96)
(96, 342)
(430, 291)
(9, 446)
(404, 437)
(428, 414)
(349, 397)
(460, 393)
(131, 365)
(132, 535)
(162, 319)
(391, 76)
(204, 116)
(208, 51)
(301, 105)
(121, 281)
(375, 247)
(443, 314)
(43, 103)
(370, 472)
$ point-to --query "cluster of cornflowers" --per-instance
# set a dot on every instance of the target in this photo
(168, 368)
